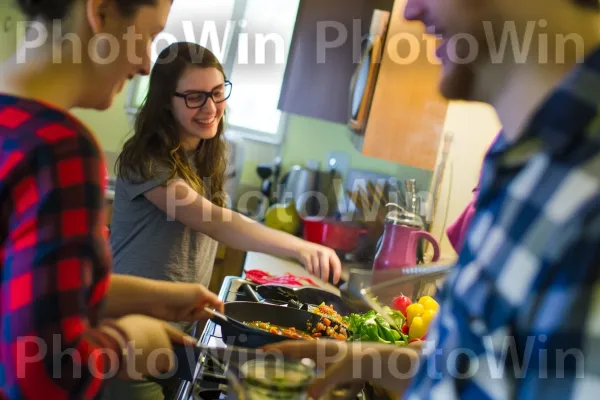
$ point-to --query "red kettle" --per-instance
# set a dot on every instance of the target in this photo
(401, 235)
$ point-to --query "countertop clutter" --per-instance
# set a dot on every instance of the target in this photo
(280, 266)
(219, 345)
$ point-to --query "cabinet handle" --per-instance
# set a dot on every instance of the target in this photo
(363, 60)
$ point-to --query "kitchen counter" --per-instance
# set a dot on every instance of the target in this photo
(279, 266)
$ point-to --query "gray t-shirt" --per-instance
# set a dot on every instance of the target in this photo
(146, 242)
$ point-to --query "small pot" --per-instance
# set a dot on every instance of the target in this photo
(337, 235)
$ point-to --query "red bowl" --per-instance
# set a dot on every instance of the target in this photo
(338, 235)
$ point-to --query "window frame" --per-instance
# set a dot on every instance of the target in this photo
(276, 138)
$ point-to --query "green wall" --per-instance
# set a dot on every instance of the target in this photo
(312, 139)
(110, 126)
(8, 39)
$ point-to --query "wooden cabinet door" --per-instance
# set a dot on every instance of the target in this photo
(407, 112)
(325, 51)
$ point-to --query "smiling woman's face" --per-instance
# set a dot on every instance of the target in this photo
(199, 123)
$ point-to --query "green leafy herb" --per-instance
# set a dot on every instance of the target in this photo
(374, 328)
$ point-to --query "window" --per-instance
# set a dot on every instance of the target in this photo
(251, 38)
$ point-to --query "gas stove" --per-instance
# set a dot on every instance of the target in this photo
(210, 381)
(209, 378)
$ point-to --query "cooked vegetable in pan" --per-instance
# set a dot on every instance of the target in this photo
(280, 330)
(323, 328)
(326, 329)
(327, 311)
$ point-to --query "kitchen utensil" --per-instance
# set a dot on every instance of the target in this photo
(338, 235)
(307, 296)
(290, 303)
(247, 288)
(412, 200)
(413, 205)
(371, 201)
(401, 236)
(438, 178)
(236, 333)
(275, 300)
(255, 297)
(300, 185)
(265, 172)
(227, 321)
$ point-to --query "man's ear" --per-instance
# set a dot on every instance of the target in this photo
(95, 11)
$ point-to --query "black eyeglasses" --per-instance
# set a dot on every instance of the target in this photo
(198, 98)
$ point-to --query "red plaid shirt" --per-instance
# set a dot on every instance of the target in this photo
(54, 256)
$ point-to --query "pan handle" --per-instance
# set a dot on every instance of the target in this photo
(249, 290)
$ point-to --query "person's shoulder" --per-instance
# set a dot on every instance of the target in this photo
(32, 124)
(36, 138)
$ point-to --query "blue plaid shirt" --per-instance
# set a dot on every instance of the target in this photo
(520, 313)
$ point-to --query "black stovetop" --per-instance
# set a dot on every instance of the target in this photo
(209, 376)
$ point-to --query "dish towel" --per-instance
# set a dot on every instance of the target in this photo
(262, 278)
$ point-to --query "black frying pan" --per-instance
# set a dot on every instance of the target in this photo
(241, 335)
(308, 296)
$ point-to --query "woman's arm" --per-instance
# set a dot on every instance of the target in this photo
(164, 300)
(180, 202)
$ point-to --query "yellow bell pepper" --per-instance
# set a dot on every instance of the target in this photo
(412, 311)
(427, 316)
(431, 304)
(417, 329)
(423, 299)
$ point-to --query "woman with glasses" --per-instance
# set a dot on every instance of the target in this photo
(169, 209)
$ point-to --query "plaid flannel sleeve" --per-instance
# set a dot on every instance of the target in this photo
(56, 272)
(562, 318)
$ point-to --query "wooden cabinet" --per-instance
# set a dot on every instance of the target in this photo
(324, 53)
(407, 112)
(228, 262)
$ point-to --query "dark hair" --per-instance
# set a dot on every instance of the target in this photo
(155, 141)
(58, 9)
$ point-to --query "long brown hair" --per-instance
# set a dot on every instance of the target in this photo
(156, 143)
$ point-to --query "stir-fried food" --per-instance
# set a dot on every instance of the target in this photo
(325, 328)
(280, 330)
(328, 312)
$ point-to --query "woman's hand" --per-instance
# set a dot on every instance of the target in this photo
(319, 261)
(386, 366)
